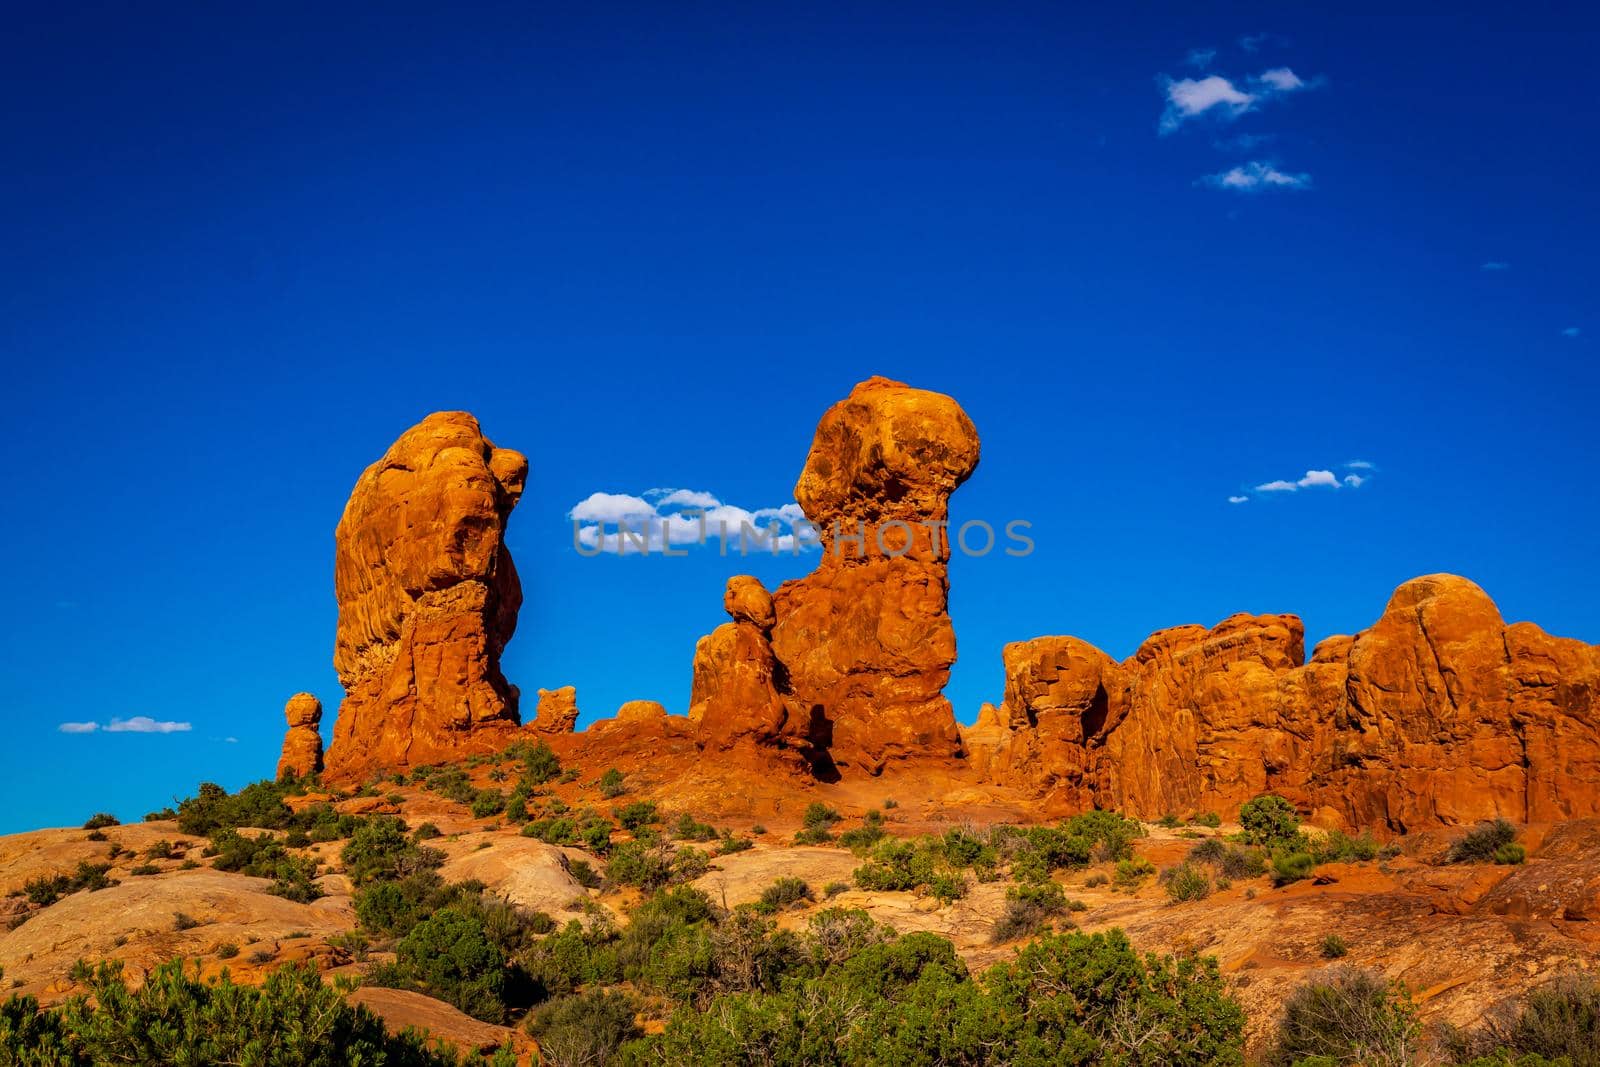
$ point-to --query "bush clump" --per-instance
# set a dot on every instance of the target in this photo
(1347, 1015)
(1269, 821)
(1187, 882)
(1480, 844)
(783, 894)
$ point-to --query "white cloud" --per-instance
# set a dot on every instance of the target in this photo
(1188, 98)
(681, 519)
(1571, 331)
(1281, 79)
(1200, 57)
(144, 724)
(1237, 499)
(611, 507)
(1254, 177)
(1360, 465)
(1315, 478)
(78, 727)
(1495, 264)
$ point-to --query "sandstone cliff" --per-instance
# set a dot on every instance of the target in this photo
(428, 598)
(1439, 713)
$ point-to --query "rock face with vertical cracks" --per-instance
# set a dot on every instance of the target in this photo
(1438, 714)
(428, 598)
(302, 743)
(851, 667)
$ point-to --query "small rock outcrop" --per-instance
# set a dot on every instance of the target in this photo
(557, 712)
(849, 666)
(428, 598)
(1439, 714)
(302, 742)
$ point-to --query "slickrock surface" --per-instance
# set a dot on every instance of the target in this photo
(1438, 714)
(428, 598)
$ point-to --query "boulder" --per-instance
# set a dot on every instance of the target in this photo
(557, 711)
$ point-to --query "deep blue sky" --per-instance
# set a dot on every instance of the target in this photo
(242, 252)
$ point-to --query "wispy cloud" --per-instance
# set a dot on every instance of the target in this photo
(1256, 176)
(138, 724)
(1189, 98)
(1495, 264)
(680, 519)
(1252, 42)
(1281, 79)
(1200, 58)
(1312, 479)
(1571, 331)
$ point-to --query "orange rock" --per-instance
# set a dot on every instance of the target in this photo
(557, 711)
(1439, 714)
(428, 598)
(864, 644)
(302, 743)
(734, 700)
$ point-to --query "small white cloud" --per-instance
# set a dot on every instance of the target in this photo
(231, 740)
(144, 724)
(1316, 478)
(1571, 331)
(1495, 264)
(611, 507)
(1354, 481)
(1188, 98)
(1279, 486)
(1256, 176)
(78, 727)
(1282, 79)
(1237, 499)
(1360, 465)
(1200, 58)
(1252, 42)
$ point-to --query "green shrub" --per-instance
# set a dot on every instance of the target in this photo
(1170, 820)
(1206, 818)
(1095, 881)
(227, 950)
(380, 849)
(1131, 872)
(144, 869)
(1510, 854)
(896, 865)
(634, 816)
(100, 820)
(1109, 836)
(1242, 863)
(488, 802)
(782, 894)
(449, 955)
(540, 765)
(1552, 1025)
(612, 784)
(1292, 867)
(869, 833)
(1479, 844)
(947, 888)
(586, 1029)
(833, 889)
(688, 828)
(1347, 1015)
(1333, 947)
(639, 864)
(173, 1018)
(1339, 847)
(1269, 821)
(584, 874)
(731, 844)
(1029, 908)
(562, 831)
(1187, 882)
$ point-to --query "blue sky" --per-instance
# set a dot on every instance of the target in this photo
(244, 250)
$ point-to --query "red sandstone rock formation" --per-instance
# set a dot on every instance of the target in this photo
(557, 712)
(428, 598)
(851, 663)
(1438, 714)
(302, 743)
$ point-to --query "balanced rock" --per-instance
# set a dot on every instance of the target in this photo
(864, 643)
(428, 598)
(1439, 714)
(557, 712)
(302, 742)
